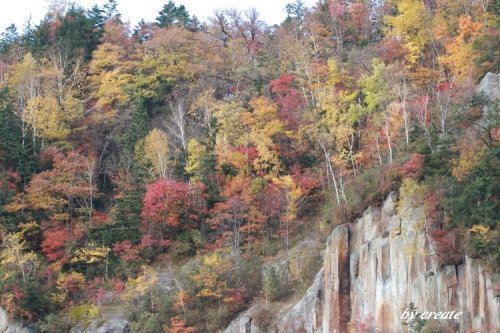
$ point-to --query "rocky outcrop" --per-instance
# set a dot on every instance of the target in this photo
(9, 326)
(490, 86)
(244, 323)
(336, 282)
(374, 268)
(110, 323)
(307, 314)
(299, 265)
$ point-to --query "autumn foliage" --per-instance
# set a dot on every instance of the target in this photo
(160, 167)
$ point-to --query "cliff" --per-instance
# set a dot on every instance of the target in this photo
(9, 326)
(374, 268)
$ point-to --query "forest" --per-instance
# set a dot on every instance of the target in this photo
(204, 149)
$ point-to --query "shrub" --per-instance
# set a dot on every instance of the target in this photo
(369, 188)
(33, 301)
(83, 313)
(275, 285)
(263, 318)
(417, 324)
(55, 323)
(445, 247)
(484, 244)
(411, 194)
(217, 318)
(147, 322)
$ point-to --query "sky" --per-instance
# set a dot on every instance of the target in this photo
(18, 11)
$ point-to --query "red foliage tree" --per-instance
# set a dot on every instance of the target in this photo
(289, 100)
(413, 167)
(168, 207)
(164, 202)
(64, 192)
(237, 220)
(177, 325)
(56, 239)
(271, 202)
(390, 50)
(126, 250)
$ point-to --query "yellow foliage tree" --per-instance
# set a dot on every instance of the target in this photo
(67, 284)
(154, 150)
(137, 288)
(109, 74)
(460, 52)
(471, 153)
(263, 125)
(15, 259)
(46, 118)
(230, 131)
(40, 101)
(293, 194)
(411, 24)
(330, 125)
(207, 278)
(194, 163)
(90, 254)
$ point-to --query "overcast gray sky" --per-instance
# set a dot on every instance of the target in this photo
(18, 11)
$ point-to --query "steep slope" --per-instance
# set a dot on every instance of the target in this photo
(374, 268)
(8, 326)
(377, 266)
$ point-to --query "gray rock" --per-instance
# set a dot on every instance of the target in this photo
(490, 86)
(9, 326)
(244, 323)
(307, 313)
(369, 277)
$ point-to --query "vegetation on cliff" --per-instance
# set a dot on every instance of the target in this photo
(206, 148)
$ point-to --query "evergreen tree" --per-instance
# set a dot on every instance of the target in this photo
(28, 34)
(111, 11)
(96, 16)
(126, 211)
(295, 11)
(136, 127)
(9, 133)
(12, 154)
(77, 30)
(8, 38)
(34, 299)
(175, 15)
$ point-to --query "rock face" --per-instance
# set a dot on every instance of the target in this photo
(373, 269)
(490, 86)
(297, 266)
(109, 324)
(307, 314)
(244, 322)
(7, 326)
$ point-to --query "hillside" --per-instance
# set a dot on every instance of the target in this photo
(372, 270)
(173, 176)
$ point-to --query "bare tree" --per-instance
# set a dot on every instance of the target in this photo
(177, 122)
